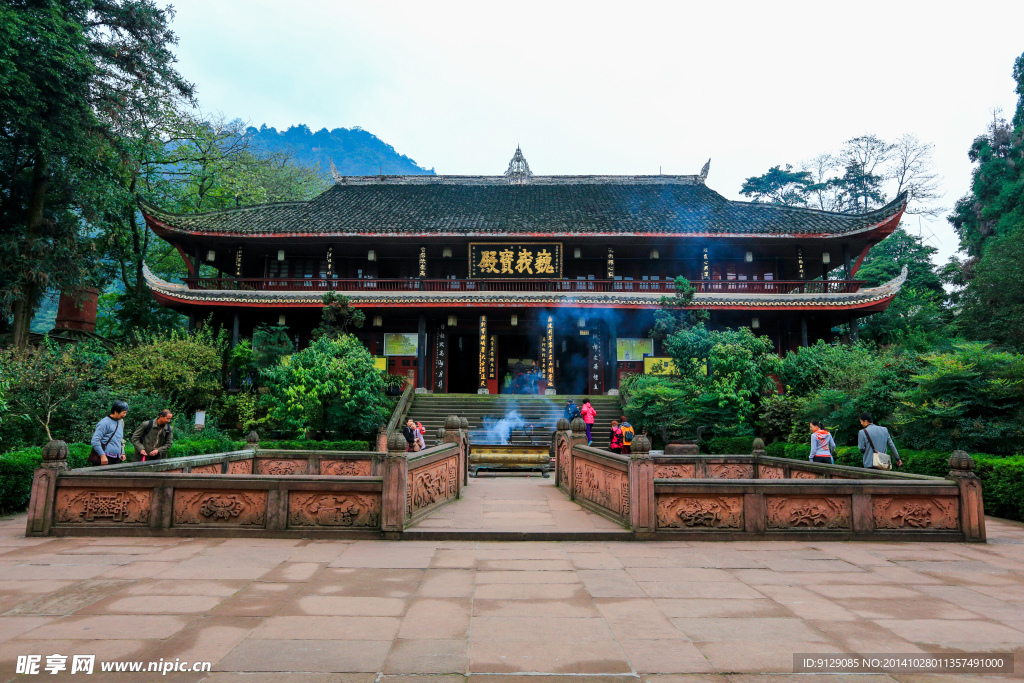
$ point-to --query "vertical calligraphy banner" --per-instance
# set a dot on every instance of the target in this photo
(482, 384)
(551, 354)
(492, 362)
(441, 360)
(596, 366)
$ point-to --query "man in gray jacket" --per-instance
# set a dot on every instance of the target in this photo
(109, 434)
(875, 435)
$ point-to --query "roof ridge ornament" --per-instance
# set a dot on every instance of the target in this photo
(338, 178)
(518, 172)
(704, 171)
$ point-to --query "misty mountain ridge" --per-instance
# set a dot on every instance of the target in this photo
(354, 151)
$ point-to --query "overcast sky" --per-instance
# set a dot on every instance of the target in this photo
(614, 88)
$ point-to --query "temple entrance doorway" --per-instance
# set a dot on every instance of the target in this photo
(464, 364)
(517, 354)
(571, 364)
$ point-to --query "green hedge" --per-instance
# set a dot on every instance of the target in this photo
(18, 467)
(307, 445)
(728, 445)
(1002, 478)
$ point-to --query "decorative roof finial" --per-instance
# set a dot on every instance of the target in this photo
(704, 171)
(338, 178)
(518, 172)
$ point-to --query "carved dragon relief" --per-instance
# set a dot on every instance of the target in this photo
(824, 512)
(281, 467)
(232, 508)
(916, 513)
(333, 509)
(345, 468)
(696, 512)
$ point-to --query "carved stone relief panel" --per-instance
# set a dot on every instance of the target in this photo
(675, 471)
(345, 468)
(916, 512)
(356, 510)
(731, 471)
(770, 472)
(815, 512)
(280, 467)
(103, 506)
(804, 474)
(240, 467)
(220, 508)
(603, 486)
(206, 469)
(432, 484)
(700, 512)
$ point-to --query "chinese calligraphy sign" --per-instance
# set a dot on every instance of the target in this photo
(503, 260)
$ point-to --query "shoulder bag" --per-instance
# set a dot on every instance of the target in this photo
(880, 460)
(95, 458)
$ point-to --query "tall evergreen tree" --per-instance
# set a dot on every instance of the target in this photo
(71, 72)
(990, 223)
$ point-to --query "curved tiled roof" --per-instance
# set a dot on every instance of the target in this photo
(552, 205)
(864, 298)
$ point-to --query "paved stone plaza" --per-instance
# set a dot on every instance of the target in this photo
(273, 610)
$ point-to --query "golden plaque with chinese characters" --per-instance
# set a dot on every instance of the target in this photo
(515, 260)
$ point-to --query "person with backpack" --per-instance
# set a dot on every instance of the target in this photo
(627, 435)
(588, 414)
(572, 411)
(823, 446)
(153, 438)
(615, 438)
(108, 437)
(877, 446)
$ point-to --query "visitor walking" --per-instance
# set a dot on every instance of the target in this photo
(823, 446)
(876, 445)
(615, 438)
(421, 436)
(409, 431)
(627, 435)
(588, 414)
(572, 411)
(153, 438)
(108, 437)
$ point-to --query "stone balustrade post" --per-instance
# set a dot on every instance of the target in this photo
(44, 488)
(642, 511)
(467, 448)
(577, 437)
(452, 433)
(382, 439)
(562, 433)
(972, 506)
(395, 489)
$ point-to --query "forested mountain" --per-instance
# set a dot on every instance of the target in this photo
(354, 150)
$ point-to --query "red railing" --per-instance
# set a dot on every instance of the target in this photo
(582, 286)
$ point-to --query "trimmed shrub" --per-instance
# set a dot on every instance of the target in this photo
(728, 445)
(307, 445)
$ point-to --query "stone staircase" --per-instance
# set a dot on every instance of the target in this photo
(539, 414)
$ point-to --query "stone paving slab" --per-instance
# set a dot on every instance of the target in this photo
(444, 611)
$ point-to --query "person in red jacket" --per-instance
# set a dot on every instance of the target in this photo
(588, 414)
(615, 438)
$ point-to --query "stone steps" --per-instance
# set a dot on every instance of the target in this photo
(543, 412)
